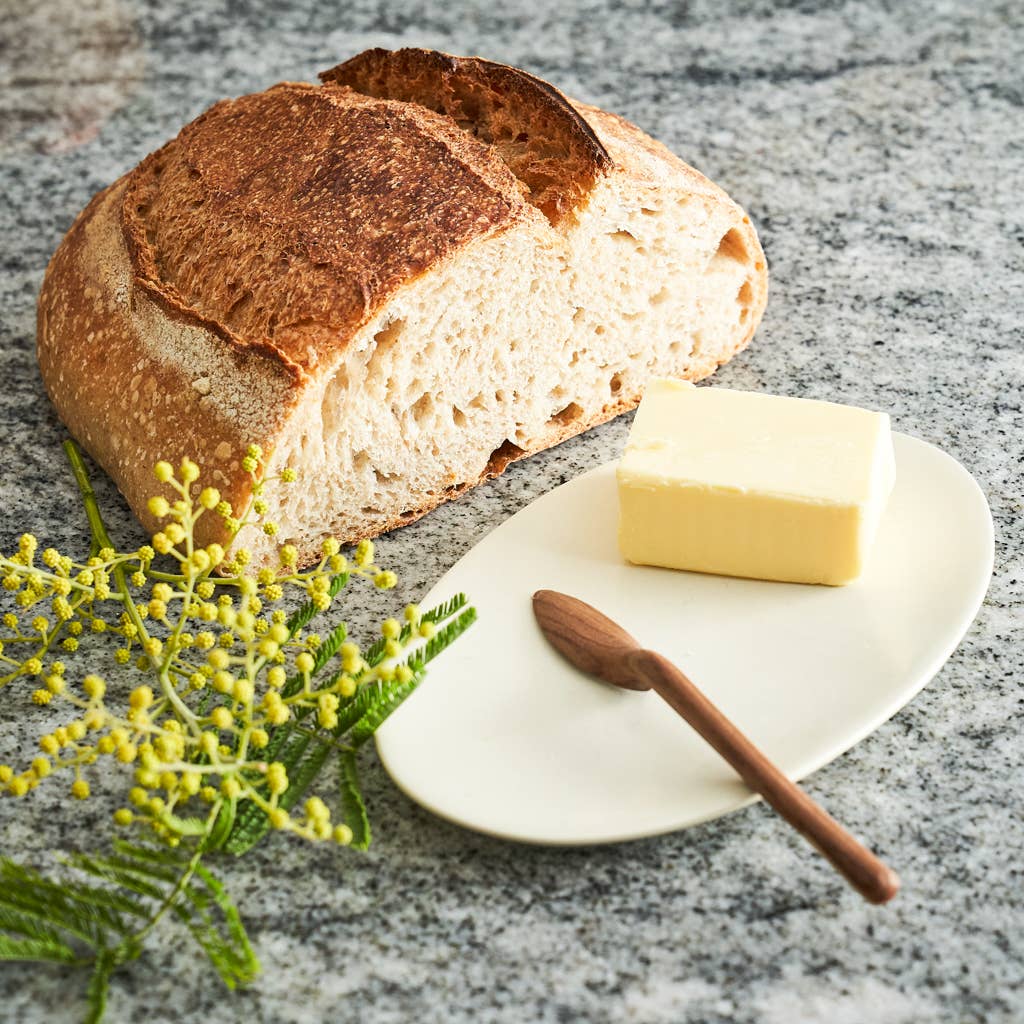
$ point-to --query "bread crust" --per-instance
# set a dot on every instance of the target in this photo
(195, 301)
(136, 379)
(548, 144)
(286, 219)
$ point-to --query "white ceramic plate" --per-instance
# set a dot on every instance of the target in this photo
(506, 738)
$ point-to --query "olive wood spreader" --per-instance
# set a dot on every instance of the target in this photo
(600, 647)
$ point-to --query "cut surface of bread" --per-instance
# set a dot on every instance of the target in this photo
(396, 283)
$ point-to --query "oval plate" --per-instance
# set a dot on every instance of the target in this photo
(506, 738)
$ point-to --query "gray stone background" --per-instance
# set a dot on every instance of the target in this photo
(878, 148)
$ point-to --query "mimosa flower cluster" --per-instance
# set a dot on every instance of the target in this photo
(214, 697)
(227, 677)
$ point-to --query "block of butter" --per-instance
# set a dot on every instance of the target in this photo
(744, 484)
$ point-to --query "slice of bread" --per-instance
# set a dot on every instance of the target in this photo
(396, 283)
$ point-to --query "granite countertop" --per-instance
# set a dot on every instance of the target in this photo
(878, 149)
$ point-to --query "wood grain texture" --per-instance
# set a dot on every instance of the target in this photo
(600, 647)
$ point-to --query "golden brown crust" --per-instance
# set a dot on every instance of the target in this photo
(133, 384)
(284, 220)
(537, 132)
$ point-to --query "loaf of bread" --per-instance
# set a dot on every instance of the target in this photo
(396, 282)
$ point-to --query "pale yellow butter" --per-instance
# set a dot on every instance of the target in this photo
(743, 484)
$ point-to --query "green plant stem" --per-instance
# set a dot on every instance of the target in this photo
(179, 886)
(326, 741)
(100, 537)
(97, 527)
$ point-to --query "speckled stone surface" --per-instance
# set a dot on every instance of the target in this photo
(879, 150)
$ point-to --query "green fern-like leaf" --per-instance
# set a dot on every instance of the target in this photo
(289, 746)
(303, 615)
(220, 935)
(28, 927)
(446, 610)
(329, 647)
(296, 746)
(386, 701)
(90, 914)
(303, 774)
(352, 710)
(127, 874)
(375, 653)
(304, 764)
(36, 949)
(352, 807)
(99, 985)
(286, 745)
(191, 894)
(73, 921)
(446, 636)
(232, 923)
